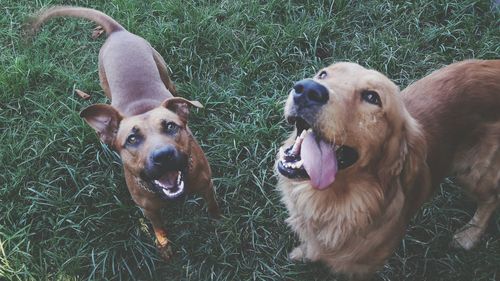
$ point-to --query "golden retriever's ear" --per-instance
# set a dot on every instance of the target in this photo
(404, 155)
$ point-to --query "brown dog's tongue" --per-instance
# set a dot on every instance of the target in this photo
(320, 161)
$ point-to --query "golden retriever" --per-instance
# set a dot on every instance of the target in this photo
(364, 157)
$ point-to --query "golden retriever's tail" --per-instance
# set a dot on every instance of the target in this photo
(108, 23)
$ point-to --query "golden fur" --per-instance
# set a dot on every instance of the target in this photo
(406, 146)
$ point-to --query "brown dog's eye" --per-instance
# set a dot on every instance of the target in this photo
(133, 139)
(371, 97)
(170, 127)
(322, 74)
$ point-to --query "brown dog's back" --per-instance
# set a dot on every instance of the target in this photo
(451, 103)
(129, 68)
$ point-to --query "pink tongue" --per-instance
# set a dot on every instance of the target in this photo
(169, 179)
(320, 161)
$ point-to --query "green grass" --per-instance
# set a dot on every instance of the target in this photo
(65, 213)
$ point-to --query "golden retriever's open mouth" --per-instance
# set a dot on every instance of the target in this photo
(311, 157)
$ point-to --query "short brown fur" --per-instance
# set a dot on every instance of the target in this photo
(447, 123)
(135, 78)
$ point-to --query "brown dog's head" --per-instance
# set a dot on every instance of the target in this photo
(155, 146)
(348, 118)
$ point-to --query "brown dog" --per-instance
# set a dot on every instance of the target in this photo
(364, 157)
(145, 124)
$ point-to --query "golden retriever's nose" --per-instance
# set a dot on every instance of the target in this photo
(308, 92)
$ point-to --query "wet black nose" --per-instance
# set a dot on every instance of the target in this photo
(307, 92)
(163, 156)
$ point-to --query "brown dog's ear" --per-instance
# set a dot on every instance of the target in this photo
(180, 106)
(105, 120)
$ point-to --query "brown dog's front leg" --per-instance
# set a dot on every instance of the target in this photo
(212, 206)
(162, 242)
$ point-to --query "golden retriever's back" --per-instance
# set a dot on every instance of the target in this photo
(449, 103)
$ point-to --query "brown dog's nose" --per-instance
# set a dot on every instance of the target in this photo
(163, 156)
(163, 159)
(308, 92)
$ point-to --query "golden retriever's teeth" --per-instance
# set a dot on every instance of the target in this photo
(298, 142)
(295, 165)
(296, 146)
(303, 134)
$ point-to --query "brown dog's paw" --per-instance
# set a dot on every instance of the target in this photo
(98, 31)
(166, 252)
(214, 212)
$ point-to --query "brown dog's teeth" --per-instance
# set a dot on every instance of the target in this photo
(179, 178)
(157, 182)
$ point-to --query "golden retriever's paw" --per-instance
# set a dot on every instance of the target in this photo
(166, 252)
(467, 237)
(297, 255)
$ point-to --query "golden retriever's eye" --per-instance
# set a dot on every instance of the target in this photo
(371, 97)
(322, 75)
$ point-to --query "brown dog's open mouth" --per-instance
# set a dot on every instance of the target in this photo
(170, 185)
(310, 157)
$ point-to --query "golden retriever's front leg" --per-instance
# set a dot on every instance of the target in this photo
(297, 254)
(305, 252)
(471, 233)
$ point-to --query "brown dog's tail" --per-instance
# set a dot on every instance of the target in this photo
(109, 24)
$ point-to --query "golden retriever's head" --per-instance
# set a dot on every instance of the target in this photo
(349, 118)
(154, 146)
